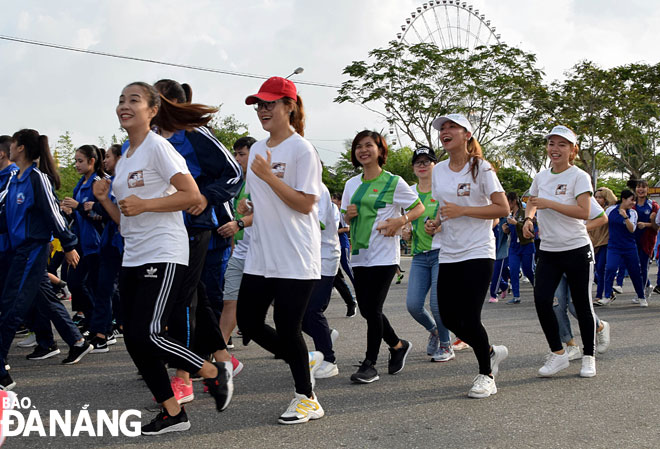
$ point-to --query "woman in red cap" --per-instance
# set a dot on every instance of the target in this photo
(284, 259)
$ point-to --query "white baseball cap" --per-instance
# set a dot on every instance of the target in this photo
(564, 132)
(459, 119)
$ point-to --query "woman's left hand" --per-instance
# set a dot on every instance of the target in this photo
(88, 205)
(198, 208)
(70, 203)
(539, 203)
(132, 205)
(451, 210)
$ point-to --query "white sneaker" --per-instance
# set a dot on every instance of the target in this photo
(574, 352)
(334, 334)
(28, 342)
(588, 366)
(553, 364)
(483, 387)
(302, 409)
(315, 360)
(603, 338)
(647, 291)
(634, 301)
(605, 301)
(617, 289)
(496, 357)
(643, 302)
(327, 369)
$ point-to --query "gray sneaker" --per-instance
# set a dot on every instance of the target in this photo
(444, 353)
(432, 345)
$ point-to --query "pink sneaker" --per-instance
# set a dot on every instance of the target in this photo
(182, 392)
(238, 366)
(503, 293)
(493, 299)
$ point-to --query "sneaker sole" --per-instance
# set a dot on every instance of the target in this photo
(364, 381)
(186, 399)
(587, 375)
(332, 373)
(181, 427)
(46, 356)
(443, 360)
(553, 372)
(73, 362)
(111, 342)
(481, 395)
(405, 356)
(99, 350)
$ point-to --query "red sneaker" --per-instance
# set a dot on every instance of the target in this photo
(182, 392)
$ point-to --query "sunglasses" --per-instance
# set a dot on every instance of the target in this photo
(422, 163)
(267, 105)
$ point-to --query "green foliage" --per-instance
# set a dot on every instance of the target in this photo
(615, 184)
(399, 162)
(228, 129)
(68, 178)
(514, 180)
(416, 83)
(65, 151)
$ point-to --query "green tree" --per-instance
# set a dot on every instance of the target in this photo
(410, 85)
(228, 129)
(514, 179)
(69, 177)
(65, 151)
(399, 162)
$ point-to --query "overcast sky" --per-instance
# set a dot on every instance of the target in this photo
(55, 91)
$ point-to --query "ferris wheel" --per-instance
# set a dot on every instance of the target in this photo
(447, 24)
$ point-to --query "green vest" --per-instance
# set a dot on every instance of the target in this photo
(241, 194)
(421, 241)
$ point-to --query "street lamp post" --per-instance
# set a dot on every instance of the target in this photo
(298, 71)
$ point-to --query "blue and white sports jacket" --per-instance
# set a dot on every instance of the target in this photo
(30, 211)
(85, 227)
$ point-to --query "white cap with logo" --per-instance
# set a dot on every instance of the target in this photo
(563, 131)
(456, 118)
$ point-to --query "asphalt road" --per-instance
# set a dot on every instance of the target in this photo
(425, 406)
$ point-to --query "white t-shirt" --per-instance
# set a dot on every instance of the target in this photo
(395, 195)
(595, 211)
(465, 238)
(151, 237)
(329, 218)
(559, 232)
(283, 242)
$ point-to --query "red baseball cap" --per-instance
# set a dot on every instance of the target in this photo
(273, 89)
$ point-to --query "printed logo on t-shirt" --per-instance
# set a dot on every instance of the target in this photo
(278, 169)
(561, 189)
(151, 273)
(135, 179)
(463, 189)
(20, 198)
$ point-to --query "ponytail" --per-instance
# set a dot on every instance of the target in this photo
(36, 148)
(297, 117)
(92, 152)
(173, 91)
(175, 116)
(475, 156)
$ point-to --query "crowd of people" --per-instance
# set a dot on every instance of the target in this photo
(171, 242)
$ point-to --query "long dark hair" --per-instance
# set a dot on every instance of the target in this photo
(93, 152)
(176, 111)
(36, 148)
(172, 90)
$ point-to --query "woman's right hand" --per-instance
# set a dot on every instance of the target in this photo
(101, 189)
(528, 229)
(432, 227)
(623, 213)
(72, 258)
(351, 213)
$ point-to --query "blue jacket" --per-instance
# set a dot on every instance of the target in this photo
(4, 177)
(216, 172)
(110, 236)
(85, 227)
(30, 211)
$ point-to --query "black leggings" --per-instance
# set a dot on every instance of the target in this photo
(462, 288)
(371, 286)
(290, 298)
(578, 266)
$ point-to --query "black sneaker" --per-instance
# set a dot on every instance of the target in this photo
(76, 353)
(111, 339)
(22, 331)
(99, 345)
(350, 310)
(230, 344)
(41, 353)
(398, 357)
(117, 332)
(365, 374)
(164, 423)
(221, 387)
(78, 319)
(6, 383)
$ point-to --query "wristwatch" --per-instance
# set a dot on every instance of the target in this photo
(240, 224)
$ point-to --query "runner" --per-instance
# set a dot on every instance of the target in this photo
(521, 250)
(372, 204)
(152, 185)
(470, 197)
(562, 196)
(424, 267)
(284, 258)
(645, 233)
